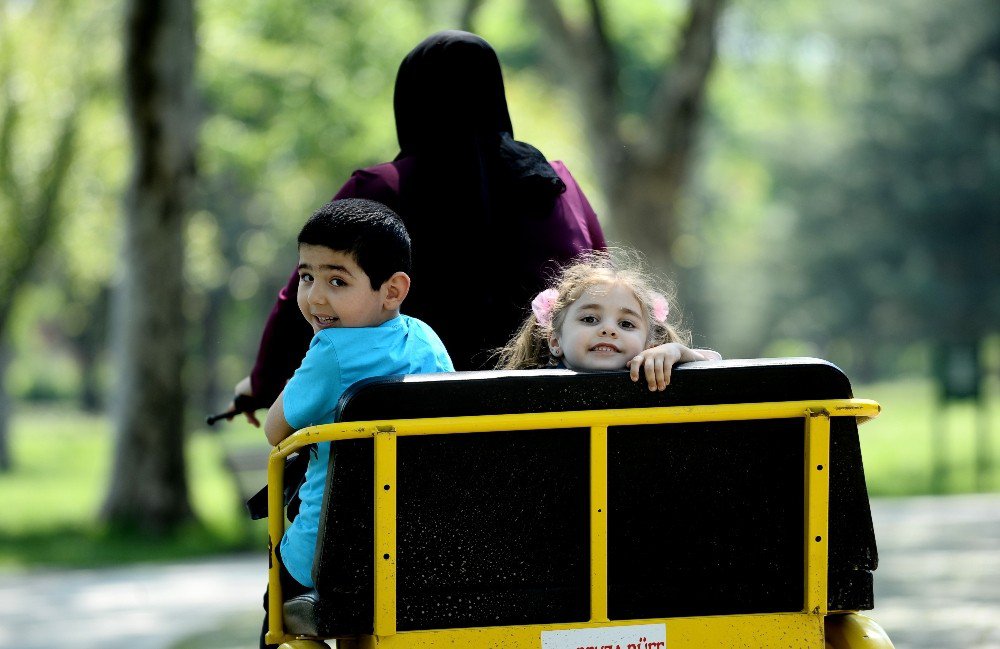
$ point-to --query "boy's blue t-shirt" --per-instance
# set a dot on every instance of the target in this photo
(336, 359)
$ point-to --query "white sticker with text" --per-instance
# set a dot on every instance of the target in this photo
(639, 636)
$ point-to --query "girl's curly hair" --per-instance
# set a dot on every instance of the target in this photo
(529, 348)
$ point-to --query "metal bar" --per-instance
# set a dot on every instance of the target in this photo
(599, 524)
(817, 509)
(863, 409)
(275, 530)
(385, 533)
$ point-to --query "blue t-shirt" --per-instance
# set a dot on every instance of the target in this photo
(336, 359)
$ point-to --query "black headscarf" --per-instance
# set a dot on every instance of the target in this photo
(450, 105)
(470, 196)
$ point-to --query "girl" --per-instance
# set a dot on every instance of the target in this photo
(602, 314)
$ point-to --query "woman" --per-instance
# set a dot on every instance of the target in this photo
(490, 218)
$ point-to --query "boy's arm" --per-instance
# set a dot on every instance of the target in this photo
(310, 396)
(276, 427)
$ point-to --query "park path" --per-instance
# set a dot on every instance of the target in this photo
(937, 587)
(135, 607)
(938, 581)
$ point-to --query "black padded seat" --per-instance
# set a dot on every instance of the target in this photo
(493, 528)
(300, 614)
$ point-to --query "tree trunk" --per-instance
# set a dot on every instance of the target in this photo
(643, 205)
(642, 176)
(148, 486)
(5, 456)
(89, 344)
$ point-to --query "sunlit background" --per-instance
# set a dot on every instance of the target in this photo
(841, 200)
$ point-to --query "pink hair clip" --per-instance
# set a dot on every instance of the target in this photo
(543, 304)
(661, 309)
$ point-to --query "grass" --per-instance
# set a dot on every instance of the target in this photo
(898, 446)
(62, 458)
(54, 493)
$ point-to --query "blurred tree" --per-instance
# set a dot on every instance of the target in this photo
(906, 215)
(296, 97)
(26, 227)
(90, 236)
(148, 485)
(89, 338)
(641, 151)
(29, 214)
(833, 137)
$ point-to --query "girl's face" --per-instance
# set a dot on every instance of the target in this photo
(603, 329)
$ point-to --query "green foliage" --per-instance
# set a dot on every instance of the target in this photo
(844, 197)
(48, 79)
(909, 218)
(61, 192)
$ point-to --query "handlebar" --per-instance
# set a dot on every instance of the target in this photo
(242, 403)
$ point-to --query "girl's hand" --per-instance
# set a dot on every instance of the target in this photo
(658, 361)
(709, 354)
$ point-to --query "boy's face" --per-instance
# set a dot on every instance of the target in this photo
(335, 292)
(603, 329)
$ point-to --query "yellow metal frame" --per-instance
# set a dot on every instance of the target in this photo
(806, 626)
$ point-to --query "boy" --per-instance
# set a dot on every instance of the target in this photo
(354, 259)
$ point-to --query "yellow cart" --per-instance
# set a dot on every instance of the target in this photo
(676, 524)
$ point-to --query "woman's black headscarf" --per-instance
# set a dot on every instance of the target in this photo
(471, 193)
(450, 105)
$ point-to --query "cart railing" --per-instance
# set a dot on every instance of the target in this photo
(816, 439)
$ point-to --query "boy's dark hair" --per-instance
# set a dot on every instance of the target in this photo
(369, 231)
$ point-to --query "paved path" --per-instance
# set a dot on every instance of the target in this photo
(937, 587)
(137, 607)
(938, 581)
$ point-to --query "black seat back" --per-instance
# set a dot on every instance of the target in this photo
(493, 528)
